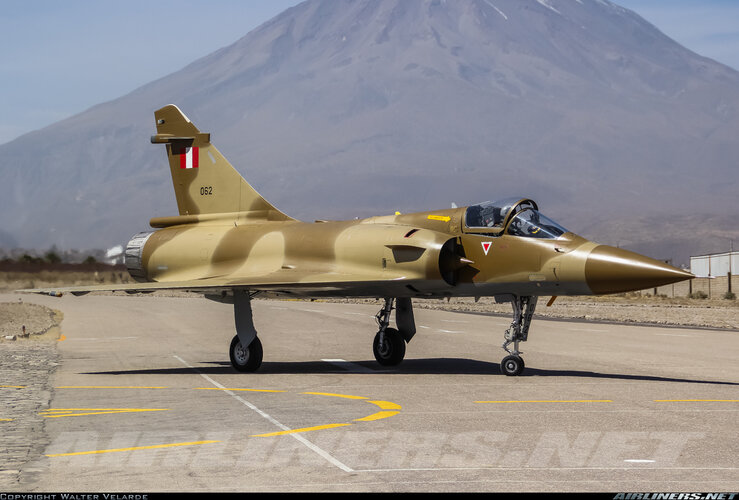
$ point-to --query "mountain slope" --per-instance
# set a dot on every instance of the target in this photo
(344, 108)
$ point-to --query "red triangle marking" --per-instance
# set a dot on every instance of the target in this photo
(486, 246)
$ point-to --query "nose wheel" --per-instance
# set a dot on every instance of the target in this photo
(512, 365)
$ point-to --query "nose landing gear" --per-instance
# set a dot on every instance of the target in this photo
(523, 312)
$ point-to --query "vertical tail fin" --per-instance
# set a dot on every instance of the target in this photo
(204, 181)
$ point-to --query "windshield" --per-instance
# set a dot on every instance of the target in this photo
(531, 224)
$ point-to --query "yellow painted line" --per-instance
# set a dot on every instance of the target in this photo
(386, 405)
(6, 419)
(439, 217)
(13, 386)
(69, 410)
(696, 400)
(131, 449)
(553, 401)
(377, 416)
(64, 410)
(94, 411)
(334, 395)
(226, 389)
(305, 429)
(61, 338)
(107, 387)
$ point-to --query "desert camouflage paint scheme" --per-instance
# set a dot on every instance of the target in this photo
(229, 243)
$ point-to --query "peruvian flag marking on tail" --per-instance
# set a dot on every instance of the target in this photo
(486, 246)
(190, 158)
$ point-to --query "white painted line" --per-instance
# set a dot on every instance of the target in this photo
(450, 331)
(360, 314)
(671, 335)
(492, 467)
(349, 366)
(587, 330)
(246, 403)
(425, 327)
(454, 321)
(636, 461)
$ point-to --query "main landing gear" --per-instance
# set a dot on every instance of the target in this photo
(523, 311)
(389, 343)
(246, 349)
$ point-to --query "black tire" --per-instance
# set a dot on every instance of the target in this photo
(512, 365)
(393, 349)
(246, 360)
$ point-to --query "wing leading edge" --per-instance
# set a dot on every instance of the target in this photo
(320, 285)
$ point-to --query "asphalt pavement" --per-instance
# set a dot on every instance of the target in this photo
(144, 399)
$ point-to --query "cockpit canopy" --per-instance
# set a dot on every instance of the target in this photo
(514, 216)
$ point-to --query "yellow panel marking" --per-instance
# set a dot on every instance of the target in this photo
(696, 400)
(107, 387)
(225, 389)
(440, 217)
(386, 405)
(304, 429)
(131, 449)
(6, 419)
(75, 412)
(553, 401)
(13, 386)
(377, 416)
(334, 395)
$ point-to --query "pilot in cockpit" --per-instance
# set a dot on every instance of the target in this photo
(492, 218)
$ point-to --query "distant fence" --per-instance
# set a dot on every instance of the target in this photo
(714, 288)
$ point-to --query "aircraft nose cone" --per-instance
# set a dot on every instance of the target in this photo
(613, 270)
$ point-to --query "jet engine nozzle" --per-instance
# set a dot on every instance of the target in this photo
(134, 256)
(614, 270)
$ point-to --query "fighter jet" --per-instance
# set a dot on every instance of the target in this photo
(230, 244)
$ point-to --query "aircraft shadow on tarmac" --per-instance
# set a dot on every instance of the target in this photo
(435, 366)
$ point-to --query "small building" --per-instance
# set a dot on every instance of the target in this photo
(715, 265)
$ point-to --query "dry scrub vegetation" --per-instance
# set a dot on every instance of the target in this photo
(624, 308)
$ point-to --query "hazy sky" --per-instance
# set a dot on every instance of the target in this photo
(62, 57)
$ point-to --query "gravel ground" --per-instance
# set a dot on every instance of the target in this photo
(625, 308)
(26, 369)
(636, 309)
(648, 310)
(37, 319)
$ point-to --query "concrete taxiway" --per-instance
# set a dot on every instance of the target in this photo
(145, 399)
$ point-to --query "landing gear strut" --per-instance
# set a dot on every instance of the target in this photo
(523, 311)
(388, 346)
(389, 343)
(246, 349)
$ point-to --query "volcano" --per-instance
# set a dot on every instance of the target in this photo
(337, 109)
